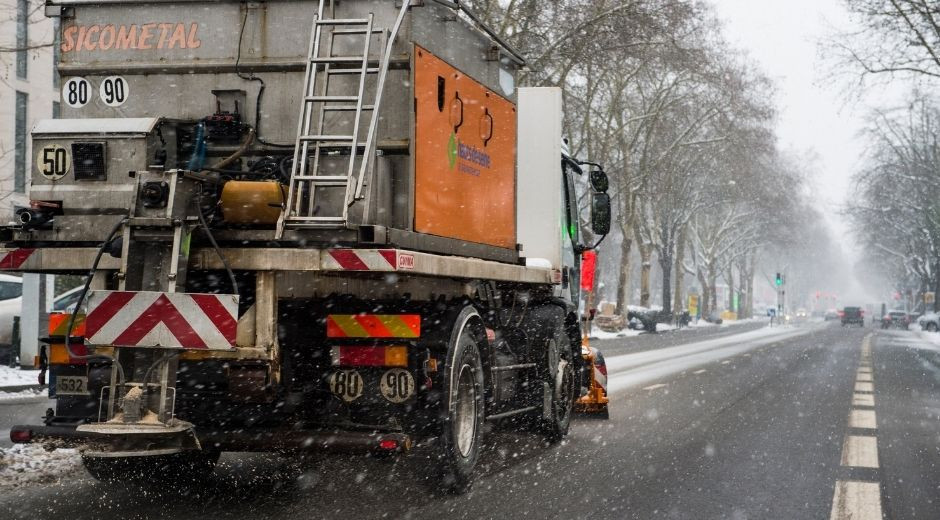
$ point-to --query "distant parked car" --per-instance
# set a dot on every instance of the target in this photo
(831, 314)
(929, 322)
(11, 306)
(853, 316)
(896, 319)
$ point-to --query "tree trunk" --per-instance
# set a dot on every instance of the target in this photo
(623, 281)
(677, 296)
(703, 297)
(713, 290)
(731, 289)
(646, 253)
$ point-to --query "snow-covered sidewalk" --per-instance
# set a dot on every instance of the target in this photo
(17, 378)
(629, 370)
(29, 464)
(596, 333)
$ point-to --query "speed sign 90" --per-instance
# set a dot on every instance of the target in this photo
(114, 91)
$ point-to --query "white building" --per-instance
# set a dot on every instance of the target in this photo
(28, 92)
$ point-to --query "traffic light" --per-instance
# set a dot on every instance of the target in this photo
(779, 281)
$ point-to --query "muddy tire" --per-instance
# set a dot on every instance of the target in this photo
(463, 406)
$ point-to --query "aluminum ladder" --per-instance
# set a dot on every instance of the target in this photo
(318, 146)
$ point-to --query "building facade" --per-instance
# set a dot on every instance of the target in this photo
(29, 92)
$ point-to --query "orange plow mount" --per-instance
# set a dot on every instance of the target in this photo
(595, 401)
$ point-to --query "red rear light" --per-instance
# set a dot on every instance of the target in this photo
(388, 444)
(369, 356)
(21, 436)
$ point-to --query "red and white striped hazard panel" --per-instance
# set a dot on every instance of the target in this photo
(155, 319)
(13, 259)
(366, 260)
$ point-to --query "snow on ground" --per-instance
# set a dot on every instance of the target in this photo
(625, 333)
(16, 377)
(665, 327)
(30, 395)
(29, 464)
(629, 370)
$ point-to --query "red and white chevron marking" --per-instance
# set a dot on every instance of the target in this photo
(155, 319)
(13, 259)
(360, 260)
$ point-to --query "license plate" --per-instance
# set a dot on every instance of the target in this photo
(71, 385)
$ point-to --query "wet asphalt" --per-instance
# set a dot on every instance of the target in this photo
(756, 431)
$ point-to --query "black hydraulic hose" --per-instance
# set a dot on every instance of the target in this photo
(261, 86)
(81, 299)
(215, 245)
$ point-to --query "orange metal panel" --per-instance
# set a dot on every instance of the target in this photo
(465, 156)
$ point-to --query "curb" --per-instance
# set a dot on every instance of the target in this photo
(20, 388)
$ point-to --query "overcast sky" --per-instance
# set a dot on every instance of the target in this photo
(816, 115)
(783, 36)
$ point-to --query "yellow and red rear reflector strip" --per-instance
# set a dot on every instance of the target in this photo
(373, 326)
(364, 356)
(59, 324)
(59, 355)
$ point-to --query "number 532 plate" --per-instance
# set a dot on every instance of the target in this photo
(71, 385)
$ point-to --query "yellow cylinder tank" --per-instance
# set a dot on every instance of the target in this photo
(252, 202)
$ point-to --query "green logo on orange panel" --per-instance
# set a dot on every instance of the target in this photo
(452, 151)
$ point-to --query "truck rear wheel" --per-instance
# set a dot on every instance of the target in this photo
(187, 466)
(563, 385)
(462, 417)
(553, 353)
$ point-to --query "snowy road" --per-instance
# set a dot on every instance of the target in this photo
(757, 423)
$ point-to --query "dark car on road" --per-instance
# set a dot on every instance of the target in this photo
(896, 319)
(853, 316)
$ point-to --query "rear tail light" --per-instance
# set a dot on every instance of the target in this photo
(369, 356)
(388, 444)
(21, 435)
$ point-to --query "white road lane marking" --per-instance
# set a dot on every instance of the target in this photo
(855, 500)
(863, 377)
(702, 371)
(863, 419)
(654, 387)
(860, 451)
(864, 387)
(863, 400)
(864, 370)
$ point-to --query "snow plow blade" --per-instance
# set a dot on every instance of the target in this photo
(66, 436)
(595, 402)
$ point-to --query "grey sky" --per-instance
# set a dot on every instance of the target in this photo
(782, 37)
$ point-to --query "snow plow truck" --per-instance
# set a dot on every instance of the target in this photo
(304, 225)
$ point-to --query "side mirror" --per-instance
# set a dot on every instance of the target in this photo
(599, 180)
(600, 213)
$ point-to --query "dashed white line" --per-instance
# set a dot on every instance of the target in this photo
(863, 400)
(860, 451)
(863, 419)
(654, 387)
(864, 387)
(856, 501)
(863, 377)
(702, 371)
